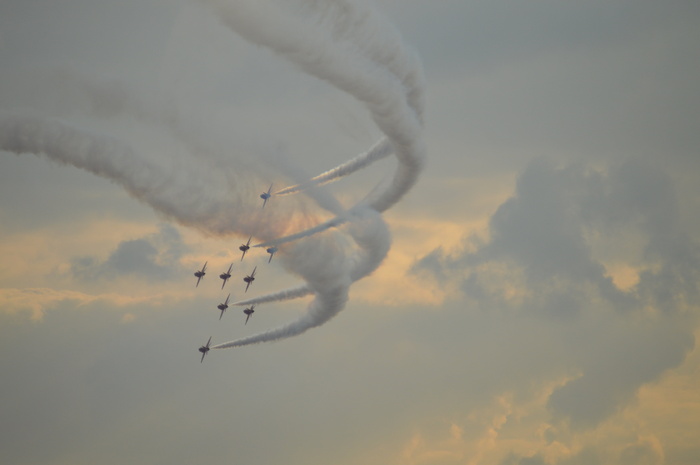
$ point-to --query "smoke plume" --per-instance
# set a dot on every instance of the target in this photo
(349, 45)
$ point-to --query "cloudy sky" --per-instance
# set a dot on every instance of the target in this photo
(538, 305)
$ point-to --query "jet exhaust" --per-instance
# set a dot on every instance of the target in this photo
(349, 45)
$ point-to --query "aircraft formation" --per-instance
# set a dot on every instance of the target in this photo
(225, 276)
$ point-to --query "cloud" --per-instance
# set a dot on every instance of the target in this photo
(567, 227)
(552, 251)
(38, 301)
(612, 375)
(154, 257)
(536, 459)
(647, 451)
(642, 451)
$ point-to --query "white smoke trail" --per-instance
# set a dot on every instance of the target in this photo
(352, 59)
(395, 108)
(337, 221)
(316, 52)
(327, 304)
(192, 193)
(393, 55)
(378, 151)
(329, 275)
(371, 251)
(351, 23)
(279, 296)
(349, 47)
(324, 268)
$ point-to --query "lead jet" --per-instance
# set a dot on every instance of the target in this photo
(249, 311)
(204, 349)
(271, 251)
(226, 275)
(200, 274)
(223, 306)
(266, 195)
(249, 279)
(244, 247)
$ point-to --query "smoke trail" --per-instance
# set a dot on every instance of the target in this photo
(327, 304)
(324, 268)
(315, 52)
(348, 46)
(397, 110)
(327, 270)
(337, 221)
(372, 239)
(194, 194)
(378, 151)
(286, 294)
(374, 38)
(347, 54)
(392, 55)
(328, 275)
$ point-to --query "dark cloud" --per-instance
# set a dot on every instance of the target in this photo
(614, 369)
(642, 453)
(542, 233)
(640, 198)
(155, 256)
(551, 228)
(540, 227)
(551, 243)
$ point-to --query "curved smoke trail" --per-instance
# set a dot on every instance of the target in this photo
(392, 55)
(328, 278)
(279, 296)
(344, 43)
(316, 52)
(353, 58)
(378, 151)
(111, 158)
(377, 40)
(371, 251)
(193, 193)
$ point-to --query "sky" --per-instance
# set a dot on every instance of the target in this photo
(516, 282)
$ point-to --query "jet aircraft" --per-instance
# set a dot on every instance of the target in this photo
(271, 251)
(249, 279)
(204, 349)
(200, 274)
(244, 247)
(266, 195)
(249, 311)
(223, 306)
(226, 275)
